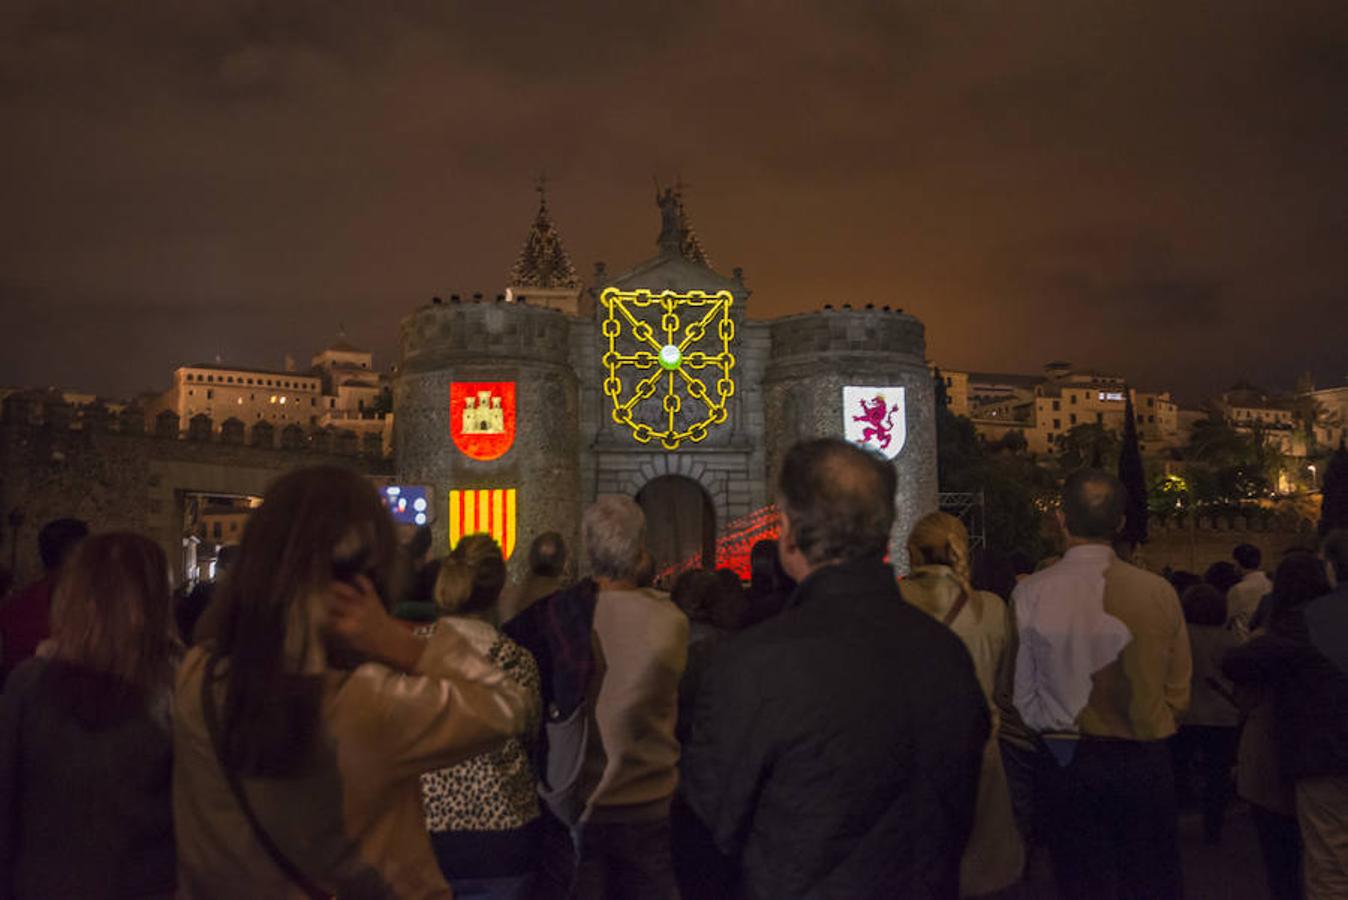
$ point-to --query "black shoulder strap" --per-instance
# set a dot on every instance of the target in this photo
(211, 715)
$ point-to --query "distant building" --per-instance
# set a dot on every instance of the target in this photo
(341, 390)
(1043, 408)
(249, 395)
(1333, 403)
(1251, 410)
(957, 392)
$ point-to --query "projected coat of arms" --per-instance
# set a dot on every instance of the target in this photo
(876, 417)
(482, 417)
(489, 511)
(669, 362)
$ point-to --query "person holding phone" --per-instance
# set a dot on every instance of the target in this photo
(303, 722)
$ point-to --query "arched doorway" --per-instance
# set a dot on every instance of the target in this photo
(680, 521)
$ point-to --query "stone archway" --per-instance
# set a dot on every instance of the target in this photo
(680, 520)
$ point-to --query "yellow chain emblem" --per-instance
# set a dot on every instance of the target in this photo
(688, 326)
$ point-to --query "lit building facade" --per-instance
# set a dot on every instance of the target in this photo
(341, 391)
(1043, 408)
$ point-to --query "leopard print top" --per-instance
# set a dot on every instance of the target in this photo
(494, 791)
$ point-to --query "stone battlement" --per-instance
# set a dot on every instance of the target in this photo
(480, 330)
(802, 339)
(49, 416)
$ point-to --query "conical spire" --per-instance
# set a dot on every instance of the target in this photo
(543, 261)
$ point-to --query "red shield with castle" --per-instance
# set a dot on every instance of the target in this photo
(482, 417)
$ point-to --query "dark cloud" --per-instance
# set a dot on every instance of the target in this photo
(1146, 186)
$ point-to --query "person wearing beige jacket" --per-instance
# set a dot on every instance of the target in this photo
(938, 549)
(304, 720)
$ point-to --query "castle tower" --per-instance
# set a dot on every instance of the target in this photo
(683, 436)
(827, 368)
(543, 274)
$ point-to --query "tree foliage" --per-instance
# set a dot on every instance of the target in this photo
(1133, 477)
(1225, 466)
(1088, 444)
(1334, 499)
(1015, 488)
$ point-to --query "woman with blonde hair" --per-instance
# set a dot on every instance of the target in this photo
(483, 814)
(302, 724)
(938, 552)
(85, 739)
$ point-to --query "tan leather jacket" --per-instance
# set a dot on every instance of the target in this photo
(354, 826)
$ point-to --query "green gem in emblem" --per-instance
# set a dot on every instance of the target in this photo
(670, 357)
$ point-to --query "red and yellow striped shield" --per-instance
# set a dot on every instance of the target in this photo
(491, 511)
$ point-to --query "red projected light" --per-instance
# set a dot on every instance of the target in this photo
(734, 544)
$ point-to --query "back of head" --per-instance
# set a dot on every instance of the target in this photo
(57, 539)
(839, 499)
(1092, 505)
(730, 603)
(1222, 575)
(420, 543)
(764, 565)
(315, 525)
(1182, 580)
(471, 578)
(1247, 556)
(615, 537)
(547, 555)
(226, 558)
(1203, 604)
(1300, 578)
(694, 592)
(1335, 550)
(940, 539)
(112, 611)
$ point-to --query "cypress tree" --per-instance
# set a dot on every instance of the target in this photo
(1133, 477)
(1334, 495)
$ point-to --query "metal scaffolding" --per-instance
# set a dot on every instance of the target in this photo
(971, 509)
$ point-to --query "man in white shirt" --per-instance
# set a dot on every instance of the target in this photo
(1243, 598)
(1102, 669)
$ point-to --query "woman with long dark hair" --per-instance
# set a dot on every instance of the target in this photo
(307, 714)
(85, 742)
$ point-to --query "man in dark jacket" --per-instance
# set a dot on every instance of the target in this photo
(835, 749)
(1305, 658)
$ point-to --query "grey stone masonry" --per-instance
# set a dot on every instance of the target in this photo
(788, 379)
(815, 355)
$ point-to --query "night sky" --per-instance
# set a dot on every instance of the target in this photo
(1149, 187)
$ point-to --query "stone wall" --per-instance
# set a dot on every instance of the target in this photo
(485, 341)
(789, 376)
(116, 476)
(1194, 545)
(815, 355)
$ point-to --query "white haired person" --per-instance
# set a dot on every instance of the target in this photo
(641, 637)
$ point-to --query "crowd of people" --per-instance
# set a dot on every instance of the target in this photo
(342, 715)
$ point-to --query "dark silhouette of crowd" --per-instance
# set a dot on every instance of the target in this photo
(343, 712)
